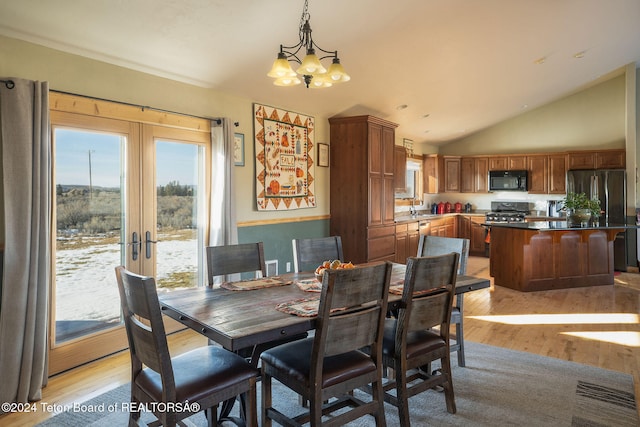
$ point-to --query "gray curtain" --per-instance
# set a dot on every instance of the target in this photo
(26, 181)
(223, 229)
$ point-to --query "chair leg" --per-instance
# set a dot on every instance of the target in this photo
(448, 386)
(315, 410)
(211, 414)
(460, 342)
(134, 416)
(378, 395)
(266, 398)
(403, 396)
(250, 415)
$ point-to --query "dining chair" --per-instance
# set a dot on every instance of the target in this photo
(310, 253)
(330, 365)
(242, 258)
(231, 259)
(436, 245)
(198, 380)
(420, 334)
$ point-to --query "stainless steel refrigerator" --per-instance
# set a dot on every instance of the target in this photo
(609, 186)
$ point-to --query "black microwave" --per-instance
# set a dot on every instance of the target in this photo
(508, 180)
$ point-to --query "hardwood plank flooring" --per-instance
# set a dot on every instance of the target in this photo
(595, 326)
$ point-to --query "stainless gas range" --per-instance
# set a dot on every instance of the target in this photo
(507, 212)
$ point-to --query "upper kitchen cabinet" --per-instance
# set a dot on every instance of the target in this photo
(547, 173)
(557, 174)
(603, 159)
(538, 169)
(432, 172)
(362, 187)
(400, 172)
(473, 174)
(466, 175)
(613, 159)
(451, 174)
(503, 163)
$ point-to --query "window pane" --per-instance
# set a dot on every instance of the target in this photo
(89, 202)
(179, 177)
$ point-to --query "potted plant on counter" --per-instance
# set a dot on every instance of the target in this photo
(580, 209)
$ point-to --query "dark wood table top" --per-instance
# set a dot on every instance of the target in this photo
(240, 319)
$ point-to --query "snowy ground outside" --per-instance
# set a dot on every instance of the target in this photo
(86, 286)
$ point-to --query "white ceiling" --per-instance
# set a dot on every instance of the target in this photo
(467, 64)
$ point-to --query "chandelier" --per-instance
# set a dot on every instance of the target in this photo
(314, 74)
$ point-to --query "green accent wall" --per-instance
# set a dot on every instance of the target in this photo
(277, 238)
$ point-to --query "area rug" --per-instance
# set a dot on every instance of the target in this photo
(498, 387)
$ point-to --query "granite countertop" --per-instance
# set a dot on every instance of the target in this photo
(556, 226)
(423, 215)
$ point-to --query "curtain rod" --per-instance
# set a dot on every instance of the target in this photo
(143, 107)
(8, 83)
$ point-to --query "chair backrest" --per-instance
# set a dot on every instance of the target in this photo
(353, 306)
(310, 253)
(231, 259)
(435, 245)
(144, 326)
(427, 297)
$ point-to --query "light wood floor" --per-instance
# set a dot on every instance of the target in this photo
(594, 331)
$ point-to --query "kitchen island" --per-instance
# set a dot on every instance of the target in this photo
(544, 255)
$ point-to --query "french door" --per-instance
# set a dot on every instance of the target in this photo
(127, 192)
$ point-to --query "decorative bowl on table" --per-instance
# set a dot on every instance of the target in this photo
(331, 265)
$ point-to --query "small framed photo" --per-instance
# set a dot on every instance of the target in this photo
(323, 154)
(238, 149)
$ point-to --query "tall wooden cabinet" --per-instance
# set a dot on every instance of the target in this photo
(362, 187)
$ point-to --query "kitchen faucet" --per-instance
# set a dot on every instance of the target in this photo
(412, 208)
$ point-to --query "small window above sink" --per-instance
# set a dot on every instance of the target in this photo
(413, 181)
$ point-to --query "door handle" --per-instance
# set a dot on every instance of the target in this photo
(134, 246)
(147, 244)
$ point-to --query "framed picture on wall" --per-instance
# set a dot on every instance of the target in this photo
(323, 154)
(238, 149)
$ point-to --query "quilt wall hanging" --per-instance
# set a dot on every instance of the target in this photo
(284, 159)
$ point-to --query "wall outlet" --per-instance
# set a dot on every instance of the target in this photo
(288, 267)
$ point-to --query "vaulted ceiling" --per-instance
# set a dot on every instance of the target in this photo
(442, 69)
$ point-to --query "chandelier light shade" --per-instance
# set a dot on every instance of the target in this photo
(310, 70)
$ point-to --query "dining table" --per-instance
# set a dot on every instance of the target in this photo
(243, 314)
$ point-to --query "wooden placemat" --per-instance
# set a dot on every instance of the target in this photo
(252, 284)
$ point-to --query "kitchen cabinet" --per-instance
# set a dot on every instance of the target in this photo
(473, 174)
(498, 163)
(477, 236)
(547, 173)
(400, 171)
(444, 227)
(467, 175)
(469, 228)
(593, 159)
(407, 238)
(557, 174)
(464, 226)
(613, 159)
(481, 171)
(451, 174)
(538, 170)
(432, 170)
(501, 163)
(517, 163)
(362, 187)
(582, 160)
